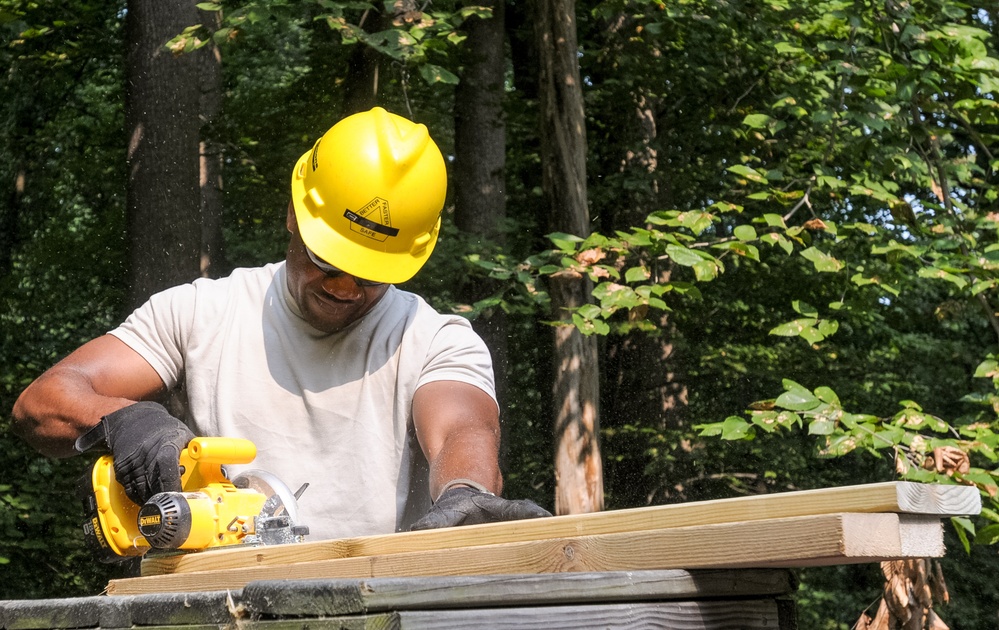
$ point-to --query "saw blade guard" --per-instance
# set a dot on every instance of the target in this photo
(280, 499)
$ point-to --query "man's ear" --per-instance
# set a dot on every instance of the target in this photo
(290, 221)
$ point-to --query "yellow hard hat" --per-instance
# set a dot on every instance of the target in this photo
(368, 196)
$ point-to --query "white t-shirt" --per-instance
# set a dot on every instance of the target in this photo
(330, 410)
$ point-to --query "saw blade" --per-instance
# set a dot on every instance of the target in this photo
(280, 499)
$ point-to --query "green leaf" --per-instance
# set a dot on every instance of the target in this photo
(745, 232)
(988, 535)
(796, 397)
(637, 274)
(564, 242)
(709, 430)
(804, 308)
(774, 220)
(683, 256)
(828, 327)
(706, 270)
(757, 121)
(827, 395)
(735, 428)
(811, 335)
(839, 445)
(793, 328)
(821, 427)
(749, 173)
(964, 528)
(987, 369)
(823, 262)
(435, 74)
(934, 272)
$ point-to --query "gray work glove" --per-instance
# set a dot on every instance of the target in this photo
(465, 506)
(145, 442)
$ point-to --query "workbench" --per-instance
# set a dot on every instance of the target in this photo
(670, 600)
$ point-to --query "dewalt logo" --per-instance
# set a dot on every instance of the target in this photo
(145, 521)
(95, 527)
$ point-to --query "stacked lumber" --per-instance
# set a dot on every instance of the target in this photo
(747, 599)
(853, 524)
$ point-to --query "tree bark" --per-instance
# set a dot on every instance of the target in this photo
(10, 221)
(213, 261)
(479, 165)
(364, 66)
(161, 117)
(578, 466)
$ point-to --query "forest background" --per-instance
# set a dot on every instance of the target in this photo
(769, 229)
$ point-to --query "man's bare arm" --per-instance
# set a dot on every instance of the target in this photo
(102, 376)
(458, 428)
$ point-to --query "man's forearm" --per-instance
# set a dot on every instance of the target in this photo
(471, 455)
(57, 408)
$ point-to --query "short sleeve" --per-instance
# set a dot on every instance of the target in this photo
(159, 329)
(457, 353)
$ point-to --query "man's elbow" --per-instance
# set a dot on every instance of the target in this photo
(28, 424)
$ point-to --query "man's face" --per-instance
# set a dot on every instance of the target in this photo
(328, 304)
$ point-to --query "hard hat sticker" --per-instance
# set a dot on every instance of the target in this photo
(360, 222)
(315, 155)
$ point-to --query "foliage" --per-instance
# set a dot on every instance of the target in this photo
(414, 37)
(860, 181)
(798, 193)
(62, 250)
(924, 447)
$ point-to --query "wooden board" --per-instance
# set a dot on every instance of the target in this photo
(716, 615)
(331, 597)
(416, 602)
(893, 497)
(790, 542)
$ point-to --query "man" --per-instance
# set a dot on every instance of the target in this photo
(385, 407)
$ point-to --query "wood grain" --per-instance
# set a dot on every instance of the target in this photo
(731, 615)
(891, 497)
(329, 597)
(788, 542)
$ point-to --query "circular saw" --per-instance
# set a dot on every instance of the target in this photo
(211, 510)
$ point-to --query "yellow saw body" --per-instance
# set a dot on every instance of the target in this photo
(210, 511)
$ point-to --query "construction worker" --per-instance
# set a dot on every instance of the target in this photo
(385, 407)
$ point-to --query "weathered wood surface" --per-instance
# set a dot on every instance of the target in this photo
(655, 599)
(789, 542)
(893, 497)
(117, 612)
(744, 615)
(320, 598)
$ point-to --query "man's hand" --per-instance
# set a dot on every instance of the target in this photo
(146, 442)
(465, 506)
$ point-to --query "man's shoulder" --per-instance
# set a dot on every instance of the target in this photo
(240, 281)
(420, 309)
(244, 276)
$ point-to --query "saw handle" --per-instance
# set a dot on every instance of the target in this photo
(220, 450)
(202, 460)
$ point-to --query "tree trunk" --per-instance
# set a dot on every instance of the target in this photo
(633, 393)
(213, 261)
(480, 161)
(10, 223)
(578, 467)
(161, 117)
(364, 66)
(480, 130)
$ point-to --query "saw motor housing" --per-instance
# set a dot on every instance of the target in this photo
(210, 511)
